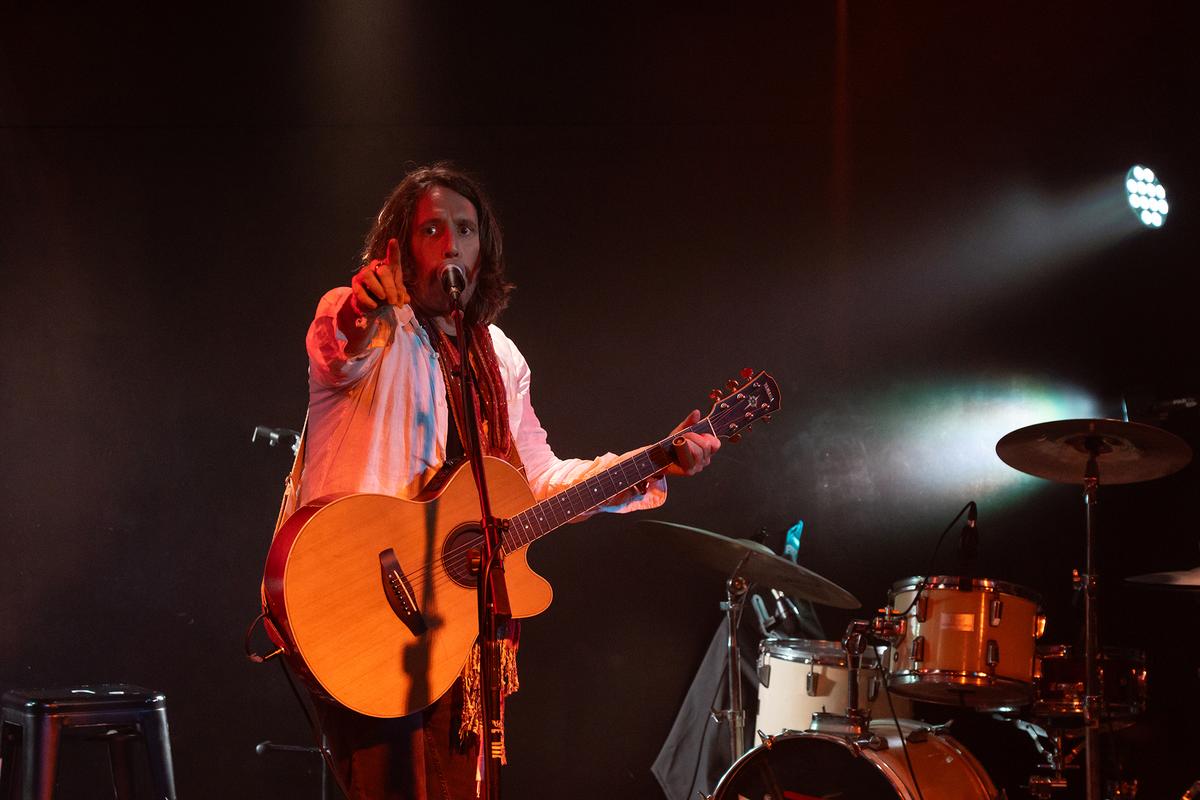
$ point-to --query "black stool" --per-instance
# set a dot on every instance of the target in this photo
(118, 713)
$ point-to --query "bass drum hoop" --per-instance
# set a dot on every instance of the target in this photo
(887, 770)
(731, 775)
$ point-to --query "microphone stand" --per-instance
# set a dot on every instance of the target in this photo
(493, 593)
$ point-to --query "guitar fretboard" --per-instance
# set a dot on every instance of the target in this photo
(543, 517)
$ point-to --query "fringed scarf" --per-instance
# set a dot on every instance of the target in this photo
(491, 405)
(491, 416)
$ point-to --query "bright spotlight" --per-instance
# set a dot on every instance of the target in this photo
(1147, 194)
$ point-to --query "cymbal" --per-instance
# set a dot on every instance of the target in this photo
(1126, 452)
(761, 565)
(1179, 579)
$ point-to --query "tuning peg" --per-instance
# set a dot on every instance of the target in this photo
(747, 373)
(715, 395)
(767, 419)
(737, 437)
(732, 384)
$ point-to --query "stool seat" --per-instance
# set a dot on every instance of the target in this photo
(34, 720)
(106, 696)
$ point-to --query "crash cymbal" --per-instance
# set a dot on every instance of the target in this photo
(760, 566)
(1179, 579)
(1126, 452)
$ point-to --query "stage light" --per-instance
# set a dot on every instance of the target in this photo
(1147, 197)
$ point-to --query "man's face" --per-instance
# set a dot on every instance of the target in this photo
(445, 230)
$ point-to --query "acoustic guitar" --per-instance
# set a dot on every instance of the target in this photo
(374, 598)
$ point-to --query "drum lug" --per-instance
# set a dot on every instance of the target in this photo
(922, 607)
(874, 742)
(917, 651)
(810, 683)
(764, 675)
(873, 689)
(997, 612)
(993, 652)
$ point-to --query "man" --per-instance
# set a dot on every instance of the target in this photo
(384, 417)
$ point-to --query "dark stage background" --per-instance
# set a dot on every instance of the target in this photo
(912, 218)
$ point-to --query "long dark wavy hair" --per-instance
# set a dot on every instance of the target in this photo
(395, 221)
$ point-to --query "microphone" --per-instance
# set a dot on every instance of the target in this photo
(453, 280)
(968, 542)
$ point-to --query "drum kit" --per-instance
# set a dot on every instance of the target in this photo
(837, 718)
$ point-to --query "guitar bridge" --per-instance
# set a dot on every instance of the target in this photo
(399, 593)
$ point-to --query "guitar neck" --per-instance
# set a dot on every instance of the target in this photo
(588, 495)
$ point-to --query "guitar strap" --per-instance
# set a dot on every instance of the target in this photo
(287, 505)
(291, 484)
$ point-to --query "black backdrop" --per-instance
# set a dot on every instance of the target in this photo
(683, 194)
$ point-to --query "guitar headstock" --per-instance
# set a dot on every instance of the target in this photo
(755, 397)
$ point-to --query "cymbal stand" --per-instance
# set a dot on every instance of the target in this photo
(736, 590)
(1091, 630)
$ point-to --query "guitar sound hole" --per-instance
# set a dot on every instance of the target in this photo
(456, 554)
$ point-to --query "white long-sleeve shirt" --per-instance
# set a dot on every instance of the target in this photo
(378, 419)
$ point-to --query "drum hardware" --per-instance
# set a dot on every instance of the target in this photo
(788, 698)
(757, 563)
(968, 642)
(1073, 452)
(907, 760)
(1059, 682)
(752, 563)
(735, 596)
(1043, 786)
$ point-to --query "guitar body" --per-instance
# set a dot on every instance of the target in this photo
(328, 580)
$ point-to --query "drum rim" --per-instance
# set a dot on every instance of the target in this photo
(899, 682)
(771, 741)
(1062, 650)
(870, 659)
(974, 768)
(1062, 709)
(954, 581)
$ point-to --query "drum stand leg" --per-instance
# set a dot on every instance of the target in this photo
(1091, 638)
(1044, 786)
(735, 598)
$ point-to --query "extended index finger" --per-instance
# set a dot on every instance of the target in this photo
(393, 254)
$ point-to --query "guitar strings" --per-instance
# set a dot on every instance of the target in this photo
(455, 559)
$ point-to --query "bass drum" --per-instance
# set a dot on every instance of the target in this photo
(810, 765)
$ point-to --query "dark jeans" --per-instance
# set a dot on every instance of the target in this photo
(417, 757)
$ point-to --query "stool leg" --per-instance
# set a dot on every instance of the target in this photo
(40, 757)
(10, 739)
(120, 758)
(158, 748)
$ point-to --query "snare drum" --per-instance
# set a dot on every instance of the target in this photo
(1060, 679)
(799, 677)
(820, 765)
(967, 641)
